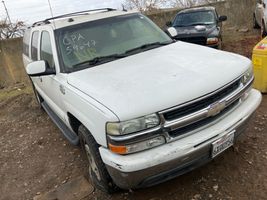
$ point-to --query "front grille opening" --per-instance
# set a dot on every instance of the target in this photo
(201, 104)
(194, 40)
(196, 125)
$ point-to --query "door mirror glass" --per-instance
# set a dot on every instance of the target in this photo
(39, 68)
(169, 23)
(222, 18)
(172, 32)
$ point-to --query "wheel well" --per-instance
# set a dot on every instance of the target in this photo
(74, 123)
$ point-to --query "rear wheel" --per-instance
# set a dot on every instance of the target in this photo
(97, 171)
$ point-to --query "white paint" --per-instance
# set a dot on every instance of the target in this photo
(172, 31)
(158, 79)
(179, 148)
(36, 67)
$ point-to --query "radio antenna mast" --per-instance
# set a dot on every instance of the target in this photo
(51, 11)
(6, 12)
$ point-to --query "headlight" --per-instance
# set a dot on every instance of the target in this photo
(131, 126)
(212, 40)
(247, 76)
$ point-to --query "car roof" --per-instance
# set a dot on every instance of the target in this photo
(80, 17)
(206, 8)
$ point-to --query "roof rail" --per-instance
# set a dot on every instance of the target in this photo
(85, 12)
(80, 13)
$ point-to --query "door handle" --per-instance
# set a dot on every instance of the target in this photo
(62, 89)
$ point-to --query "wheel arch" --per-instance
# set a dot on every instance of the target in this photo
(74, 122)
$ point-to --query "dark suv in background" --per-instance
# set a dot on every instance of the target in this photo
(201, 26)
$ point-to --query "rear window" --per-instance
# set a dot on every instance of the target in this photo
(34, 46)
(26, 42)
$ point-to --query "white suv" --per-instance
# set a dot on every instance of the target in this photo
(144, 108)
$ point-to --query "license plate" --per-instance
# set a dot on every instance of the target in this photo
(222, 144)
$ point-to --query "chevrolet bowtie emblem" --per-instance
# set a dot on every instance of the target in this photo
(216, 108)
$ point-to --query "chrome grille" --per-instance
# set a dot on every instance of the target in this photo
(196, 106)
(191, 116)
(196, 125)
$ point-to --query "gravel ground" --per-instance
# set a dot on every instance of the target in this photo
(35, 157)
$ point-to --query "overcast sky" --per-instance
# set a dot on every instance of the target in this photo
(35, 10)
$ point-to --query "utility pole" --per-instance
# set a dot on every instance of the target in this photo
(6, 12)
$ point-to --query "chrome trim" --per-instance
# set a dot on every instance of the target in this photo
(200, 98)
(131, 136)
(167, 126)
(206, 112)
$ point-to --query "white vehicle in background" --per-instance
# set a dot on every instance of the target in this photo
(144, 108)
(259, 16)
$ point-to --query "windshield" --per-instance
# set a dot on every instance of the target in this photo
(194, 18)
(105, 38)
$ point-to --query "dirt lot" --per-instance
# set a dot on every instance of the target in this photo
(35, 158)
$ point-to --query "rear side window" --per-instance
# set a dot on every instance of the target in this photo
(26, 41)
(46, 49)
(34, 46)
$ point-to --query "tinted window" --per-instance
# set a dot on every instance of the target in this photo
(34, 47)
(194, 18)
(46, 49)
(26, 41)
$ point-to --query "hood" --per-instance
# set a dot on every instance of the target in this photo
(158, 79)
(198, 30)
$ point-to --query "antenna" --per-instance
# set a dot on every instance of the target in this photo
(51, 11)
(6, 12)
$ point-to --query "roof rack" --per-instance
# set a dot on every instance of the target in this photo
(85, 12)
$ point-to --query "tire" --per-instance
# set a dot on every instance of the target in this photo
(255, 24)
(97, 171)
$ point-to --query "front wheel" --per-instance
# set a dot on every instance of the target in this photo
(97, 171)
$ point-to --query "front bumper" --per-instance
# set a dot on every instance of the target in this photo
(160, 164)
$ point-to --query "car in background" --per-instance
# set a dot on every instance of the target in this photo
(201, 26)
(259, 16)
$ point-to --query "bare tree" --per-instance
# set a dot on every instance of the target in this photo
(144, 5)
(190, 3)
(11, 30)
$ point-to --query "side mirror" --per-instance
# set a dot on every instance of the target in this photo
(172, 32)
(169, 23)
(222, 18)
(39, 68)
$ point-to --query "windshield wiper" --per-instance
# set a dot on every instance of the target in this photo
(101, 59)
(148, 46)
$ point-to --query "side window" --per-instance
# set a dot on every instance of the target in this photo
(46, 49)
(26, 41)
(34, 46)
